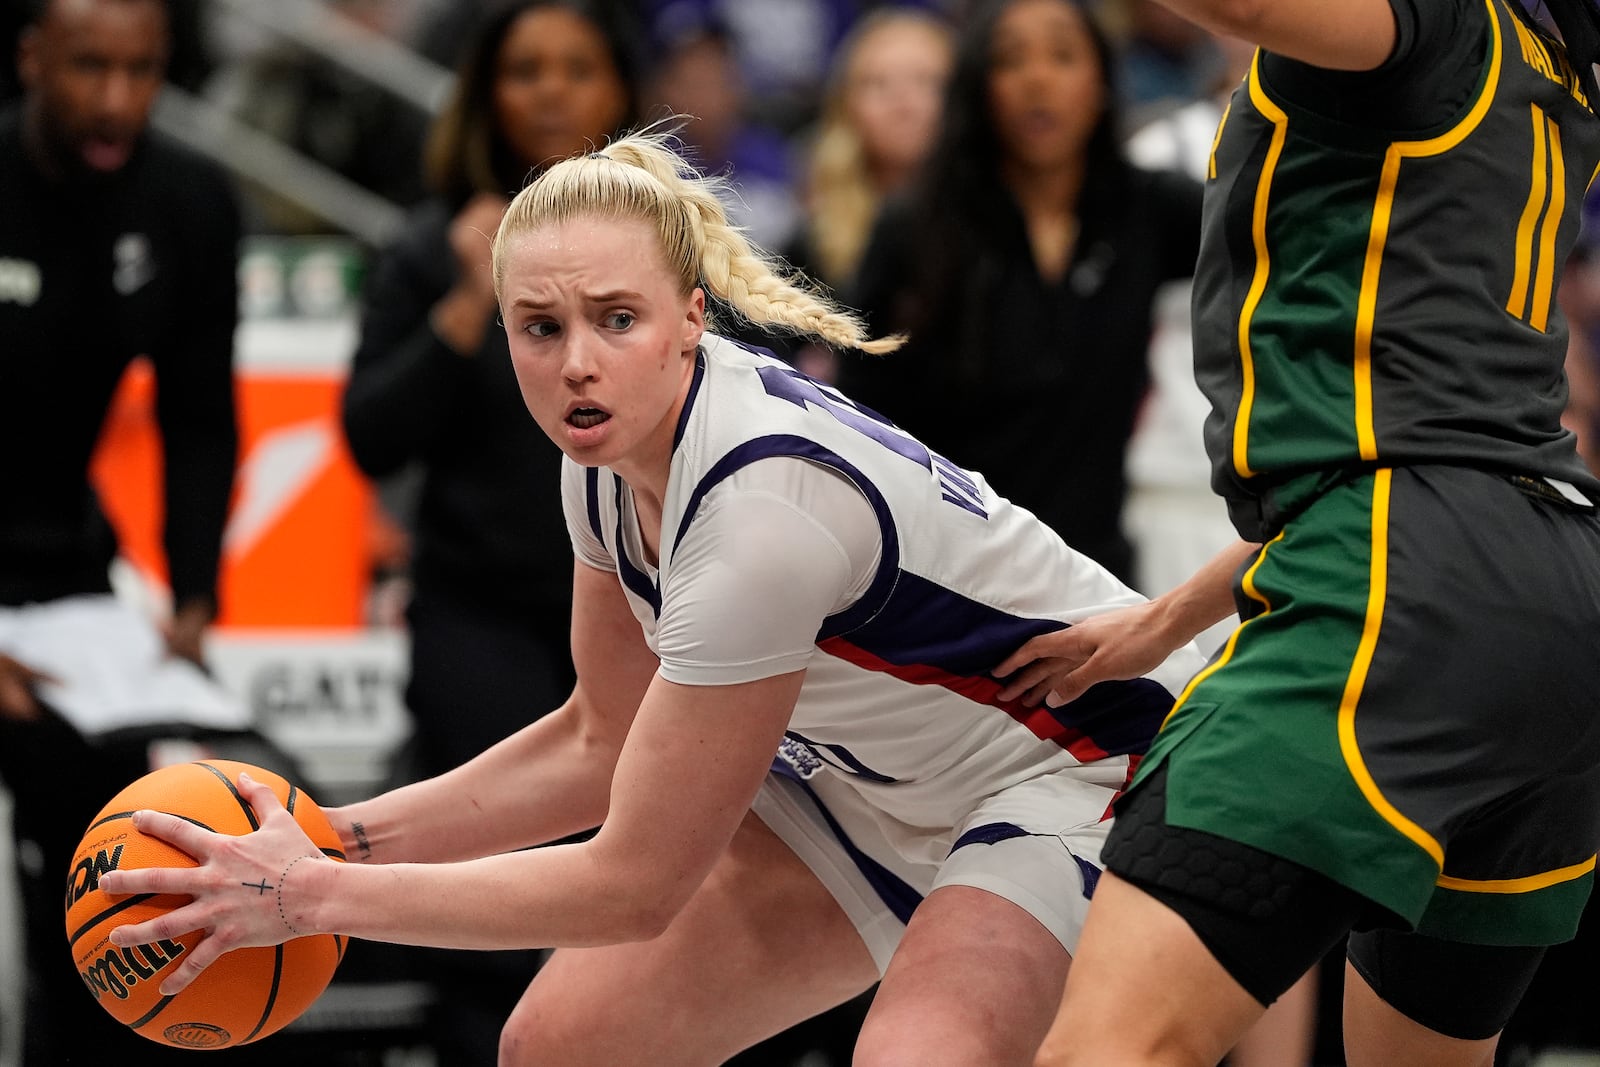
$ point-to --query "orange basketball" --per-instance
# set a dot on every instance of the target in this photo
(247, 993)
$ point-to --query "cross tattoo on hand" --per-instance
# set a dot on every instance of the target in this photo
(260, 888)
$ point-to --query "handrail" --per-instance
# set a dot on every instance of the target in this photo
(260, 158)
(341, 40)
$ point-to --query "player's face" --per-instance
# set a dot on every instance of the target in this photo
(1045, 88)
(602, 340)
(556, 90)
(92, 69)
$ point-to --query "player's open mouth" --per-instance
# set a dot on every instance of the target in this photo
(583, 418)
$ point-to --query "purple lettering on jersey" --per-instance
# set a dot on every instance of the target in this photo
(800, 390)
(844, 759)
(957, 486)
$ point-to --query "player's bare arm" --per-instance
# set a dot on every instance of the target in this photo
(1348, 35)
(687, 774)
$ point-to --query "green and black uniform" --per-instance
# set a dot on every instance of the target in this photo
(1410, 707)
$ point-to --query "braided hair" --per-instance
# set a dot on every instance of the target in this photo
(641, 176)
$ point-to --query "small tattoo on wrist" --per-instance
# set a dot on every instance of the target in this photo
(361, 838)
(283, 915)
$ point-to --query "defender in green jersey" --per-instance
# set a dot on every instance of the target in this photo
(1401, 741)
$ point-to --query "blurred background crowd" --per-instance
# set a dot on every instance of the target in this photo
(1016, 183)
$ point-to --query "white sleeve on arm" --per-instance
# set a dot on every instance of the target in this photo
(772, 552)
(575, 505)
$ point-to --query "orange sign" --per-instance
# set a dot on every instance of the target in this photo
(297, 551)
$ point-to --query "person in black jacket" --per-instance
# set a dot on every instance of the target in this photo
(431, 390)
(114, 243)
(1023, 265)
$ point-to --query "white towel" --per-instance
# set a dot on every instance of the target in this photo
(111, 667)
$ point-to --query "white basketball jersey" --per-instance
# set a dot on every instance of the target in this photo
(898, 700)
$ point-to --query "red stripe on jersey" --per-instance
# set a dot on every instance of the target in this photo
(1134, 759)
(1041, 721)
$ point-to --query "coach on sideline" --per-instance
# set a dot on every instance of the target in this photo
(114, 243)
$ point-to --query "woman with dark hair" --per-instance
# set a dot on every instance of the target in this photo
(431, 390)
(1023, 266)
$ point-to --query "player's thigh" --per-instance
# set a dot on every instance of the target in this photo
(1427, 1001)
(976, 980)
(1144, 989)
(760, 947)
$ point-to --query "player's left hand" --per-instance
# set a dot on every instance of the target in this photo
(1059, 667)
(252, 890)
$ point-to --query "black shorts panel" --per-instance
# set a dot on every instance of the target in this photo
(1265, 919)
(1459, 990)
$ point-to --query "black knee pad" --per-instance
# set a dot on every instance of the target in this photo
(1265, 919)
(1459, 990)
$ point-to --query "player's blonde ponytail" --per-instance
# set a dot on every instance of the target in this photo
(641, 177)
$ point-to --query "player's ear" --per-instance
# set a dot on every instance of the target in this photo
(694, 319)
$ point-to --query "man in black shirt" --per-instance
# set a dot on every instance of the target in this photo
(114, 244)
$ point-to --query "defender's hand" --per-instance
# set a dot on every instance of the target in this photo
(1059, 667)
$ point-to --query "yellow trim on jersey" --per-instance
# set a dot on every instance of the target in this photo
(1258, 284)
(1548, 182)
(1382, 209)
(1222, 124)
(1517, 305)
(1534, 53)
(1377, 591)
(1248, 584)
(1544, 283)
(1529, 884)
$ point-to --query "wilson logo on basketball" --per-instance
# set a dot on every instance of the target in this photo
(197, 1035)
(119, 970)
(85, 876)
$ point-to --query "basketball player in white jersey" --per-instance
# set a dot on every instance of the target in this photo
(762, 568)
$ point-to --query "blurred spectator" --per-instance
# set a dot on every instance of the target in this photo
(879, 119)
(696, 76)
(431, 385)
(780, 48)
(114, 244)
(1025, 266)
(188, 63)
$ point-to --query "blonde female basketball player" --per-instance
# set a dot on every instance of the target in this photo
(763, 569)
